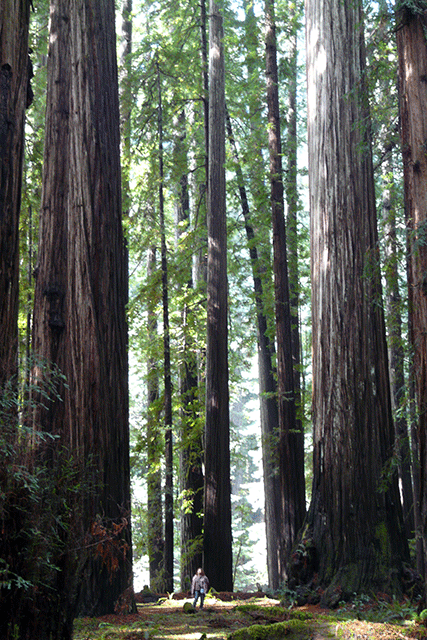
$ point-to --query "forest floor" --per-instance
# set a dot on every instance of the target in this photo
(257, 619)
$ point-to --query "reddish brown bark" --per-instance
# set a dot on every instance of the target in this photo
(14, 95)
(217, 517)
(412, 53)
(355, 524)
(291, 437)
(81, 285)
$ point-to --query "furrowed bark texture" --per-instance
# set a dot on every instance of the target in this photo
(81, 286)
(412, 53)
(14, 67)
(217, 518)
(355, 520)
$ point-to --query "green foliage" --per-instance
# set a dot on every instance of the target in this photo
(415, 7)
(42, 489)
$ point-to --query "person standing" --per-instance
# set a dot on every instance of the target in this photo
(199, 587)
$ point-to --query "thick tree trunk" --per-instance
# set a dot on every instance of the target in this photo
(217, 518)
(412, 53)
(14, 97)
(81, 285)
(291, 437)
(355, 524)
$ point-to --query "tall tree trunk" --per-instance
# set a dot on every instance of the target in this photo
(269, 416)
(81, 285)
(205, 82)
(191, 446)
(291, 192)
(168, 556)
(126, 98)
(354, 530)
(155, 539)
(15, 96)
(393, 303)
(217, 517)
(291, 437)
(200, 185)
(412, 53)
(267, 389)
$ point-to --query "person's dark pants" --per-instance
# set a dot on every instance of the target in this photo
(197, 595)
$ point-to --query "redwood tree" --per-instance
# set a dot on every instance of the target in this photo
(412, 53)
(217, 516)
(155, 538)
(291, 437)
(267, 386)
(15, 96)
(81, 285)
(354, 531)
(168, 549)
(191, 446)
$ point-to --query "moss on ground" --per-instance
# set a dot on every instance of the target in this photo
(292, 629)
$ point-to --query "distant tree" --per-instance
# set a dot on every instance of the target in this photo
(81, 284)
(412, 54)
(291, 195)
(354, 531)
(168, 549)
(269, 417)
(267, 385)
(396, 349)
(217, 515)
(383, 87)
(291, 436)
(15, 96)
(155, 538)
(126, 99)
(191, 447)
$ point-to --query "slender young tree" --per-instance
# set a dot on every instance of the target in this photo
(15, 96)
(217, 515)
(267, 385)
(412, 55)
(269, 417)
(292, 200)
(81, 284)
(393, 306)
(155, 538)
(291, 437)
(191, 447)
(168, 552)
(125, 94)
(354, 530)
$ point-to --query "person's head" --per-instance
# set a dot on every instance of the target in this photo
(200, 572)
